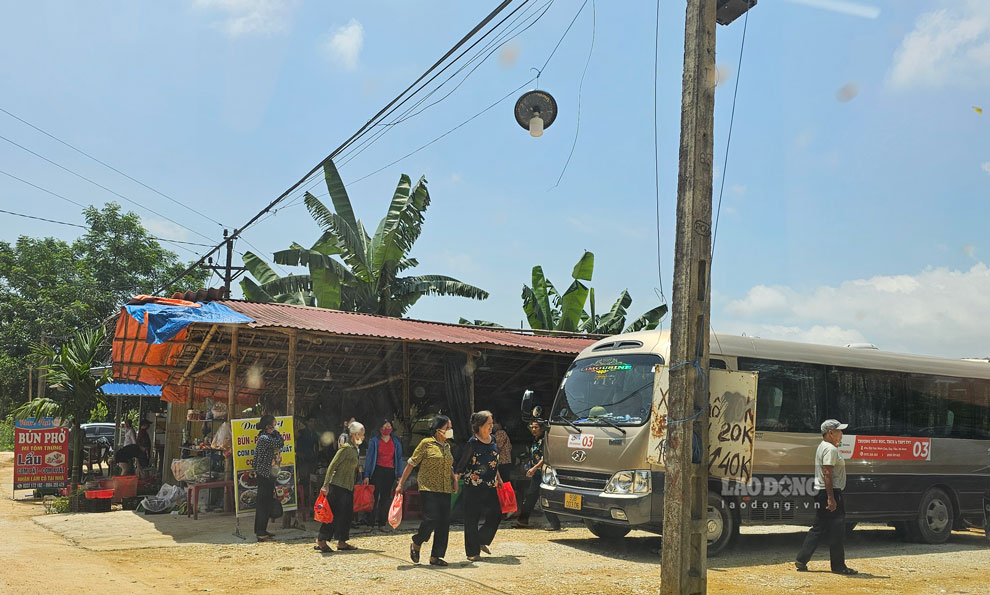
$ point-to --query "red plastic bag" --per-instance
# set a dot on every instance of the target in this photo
(364, 498)
(395, 511)
(321, 510)
(507, 498)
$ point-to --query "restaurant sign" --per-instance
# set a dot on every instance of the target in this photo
(41, 453)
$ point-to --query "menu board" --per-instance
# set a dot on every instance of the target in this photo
(41, 453)
(245, 437)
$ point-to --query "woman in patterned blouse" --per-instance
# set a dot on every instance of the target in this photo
(479, 467)
(436, 484)
(267, 452)
(338, 487)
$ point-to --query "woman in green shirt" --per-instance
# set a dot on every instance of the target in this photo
(338, 487)
(436, 483)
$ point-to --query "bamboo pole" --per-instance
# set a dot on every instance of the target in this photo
(290, 380)
(199, 352)
(406, 404)
(232, 378)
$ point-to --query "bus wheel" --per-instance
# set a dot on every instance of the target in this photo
(723, 529)
(605, 530)
(934, 524)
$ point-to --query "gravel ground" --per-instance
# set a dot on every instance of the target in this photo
(45, 554)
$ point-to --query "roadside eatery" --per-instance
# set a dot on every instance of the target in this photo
(222, 364)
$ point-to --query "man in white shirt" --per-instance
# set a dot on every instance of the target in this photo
(830, 507)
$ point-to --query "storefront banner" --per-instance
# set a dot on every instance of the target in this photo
(245, 437)
(41, 453)
(886, 448)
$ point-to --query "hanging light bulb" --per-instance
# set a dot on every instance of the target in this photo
(536, 125)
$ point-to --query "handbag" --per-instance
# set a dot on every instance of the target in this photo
(276, 510)
(321, 510)
(395, 511)
(507, 498)
(364, 498)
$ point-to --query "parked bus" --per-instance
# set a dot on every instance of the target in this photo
(918, 441)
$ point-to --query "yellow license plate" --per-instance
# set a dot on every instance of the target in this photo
(572, 501)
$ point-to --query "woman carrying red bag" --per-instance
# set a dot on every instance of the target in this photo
(338, 487)
(479, 467)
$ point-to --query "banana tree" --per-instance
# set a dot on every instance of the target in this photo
(614, 322)
(74, 389)
(350, 269)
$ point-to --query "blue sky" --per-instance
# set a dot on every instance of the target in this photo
(856, 192)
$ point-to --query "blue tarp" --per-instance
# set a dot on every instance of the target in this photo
(121, 388)
(165, 321)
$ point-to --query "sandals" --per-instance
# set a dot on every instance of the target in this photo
(342, 547)
(801, 566)
(414, 553)
(263, 538)
(846, 571)
(322, 547)
(438, 562)
(473, 558)
(485, 549)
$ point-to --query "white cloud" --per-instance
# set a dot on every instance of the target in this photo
(343, 46)
(251, 17)
(948, 45)
(843, 7)
(935, 312)
(985, 166)
(738, 189)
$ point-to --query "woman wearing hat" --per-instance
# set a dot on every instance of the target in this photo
(267, 452)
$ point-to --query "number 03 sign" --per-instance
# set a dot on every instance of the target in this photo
(580, 441)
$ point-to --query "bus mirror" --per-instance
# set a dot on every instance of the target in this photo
(537, 412)
(526, 405)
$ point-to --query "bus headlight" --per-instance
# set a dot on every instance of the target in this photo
(630, 482)
(549, 476)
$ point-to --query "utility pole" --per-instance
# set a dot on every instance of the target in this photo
(685, 544)
(228, 272)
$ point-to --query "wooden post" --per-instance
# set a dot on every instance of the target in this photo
(470, 370)
(406, 403)
(117, 440)
(232, 377)
(683, 563)
(290, 378)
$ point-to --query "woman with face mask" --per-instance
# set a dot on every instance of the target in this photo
(338, 487)
(382, 465)
(436, 483)
(479, 467)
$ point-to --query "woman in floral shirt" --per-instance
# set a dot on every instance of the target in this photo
(479, 467)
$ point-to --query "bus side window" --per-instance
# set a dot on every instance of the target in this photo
(789, 395)
(716, 364)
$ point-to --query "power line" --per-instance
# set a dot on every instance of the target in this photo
(656, 145)
(23, 181)
(88, 228)
(97, 184)
(107, 165)
(361, 131)
(577, 129)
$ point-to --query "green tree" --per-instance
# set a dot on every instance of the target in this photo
(73, 390)
(547, 309)
(52, 288)
(348, 268)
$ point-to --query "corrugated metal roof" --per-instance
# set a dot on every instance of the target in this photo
(368, 325)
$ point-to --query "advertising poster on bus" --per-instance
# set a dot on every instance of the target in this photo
(41, 453)
(731, 422)
(245, 436)
(886, 448)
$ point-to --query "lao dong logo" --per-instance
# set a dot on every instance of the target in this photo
(786, 486)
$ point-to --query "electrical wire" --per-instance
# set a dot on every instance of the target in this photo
(107, 165)
(728, 140)
(577, 129)
(23, 181)
(656, 147)
(178, 243)
(361, 131)
(97, 184)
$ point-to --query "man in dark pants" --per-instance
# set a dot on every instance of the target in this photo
(267, 451)
(534, 470)
(830, 506)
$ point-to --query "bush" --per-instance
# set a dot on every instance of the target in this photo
(7, 433)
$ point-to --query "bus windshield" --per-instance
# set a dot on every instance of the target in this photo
(603, 390)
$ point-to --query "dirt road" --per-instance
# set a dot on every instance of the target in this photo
(168, 554)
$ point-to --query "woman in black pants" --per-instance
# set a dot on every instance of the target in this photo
(382, 465)
(436, 483)
(338, 487)
(479, 466)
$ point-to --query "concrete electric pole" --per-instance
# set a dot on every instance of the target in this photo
(684, 555)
